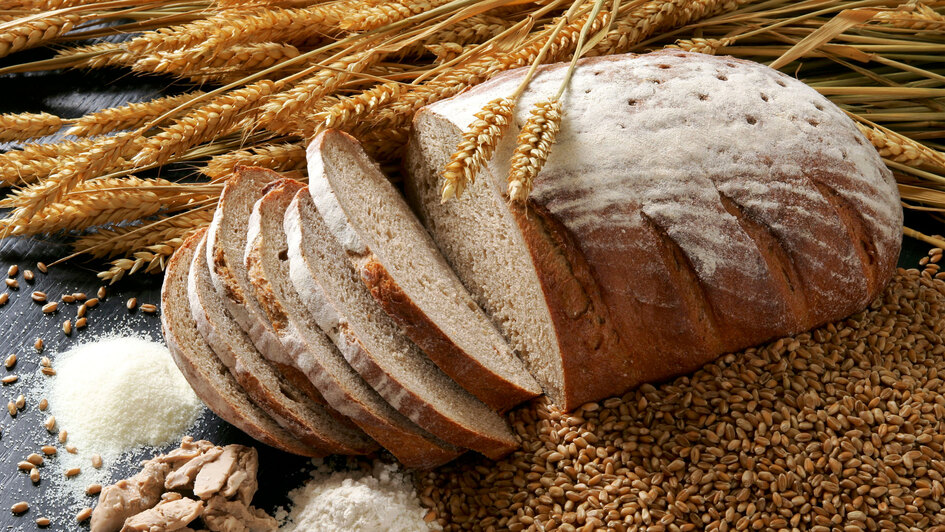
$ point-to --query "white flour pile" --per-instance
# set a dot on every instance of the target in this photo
(355, 501)
(118, 393)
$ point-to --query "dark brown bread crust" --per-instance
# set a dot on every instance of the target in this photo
(204, 384)
(771, 216)
(477, 380)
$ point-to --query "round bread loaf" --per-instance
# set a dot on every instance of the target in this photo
(693, 205)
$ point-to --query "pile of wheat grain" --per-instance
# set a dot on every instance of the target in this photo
(838, 429)
(266, 75)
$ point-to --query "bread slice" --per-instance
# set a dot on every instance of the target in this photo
(209, 378)
(374, 345)
(226, 244)
(408, 276)
(308, 421)
(345, 390)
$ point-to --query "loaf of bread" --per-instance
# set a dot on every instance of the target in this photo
(692, 205)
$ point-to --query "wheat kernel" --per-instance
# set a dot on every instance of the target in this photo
(83, 515)
(20, 402)
(4, 297)
(39, 297)
(38, 344)
(70, 449)
(67, 327)
(13, 270)
(10, 361)
(25, 466)
(148, 308)
(73, 471)
(20, 507)
(49, 372)
(67, 298)
(93, 489)
(28, 276)
(80, 323)
(34, 476)
(49, 450)
(12, 283)
(42, 267)
(43, 521)
(91, 303)
(63, 436)
(96, 461)
(11, 408)
(132, 303)
(101, 292)
(35, 459)
(50, 423)
(79, 296)
(49, 308)
(43, 404)
(45, 362)
(10, 379)
(80, 312)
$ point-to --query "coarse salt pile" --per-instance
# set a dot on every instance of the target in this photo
(356, 501)
(118, 393)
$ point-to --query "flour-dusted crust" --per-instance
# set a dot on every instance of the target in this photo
(206, 374)
(716, 203)
(340, 385)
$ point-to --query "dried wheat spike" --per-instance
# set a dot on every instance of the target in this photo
(103, 201)
(341, 114)
(282, 112)
(385, 145)
(386, 13)
(104, 154)
(151, 259)
(36, 161)
(278, 157)
(25, 126)
(702, 46)
(913, 16)
(642, 21)
(101, 55)
(479, 142)
(237, 26)
(35, 32)
(128, 116)
(122, 240)
(901, 149)
(216, 118)
(533, 146)
(200, 69)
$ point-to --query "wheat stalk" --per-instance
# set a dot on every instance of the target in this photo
(128, 116)
(479, 142)
(122, 240)
(218, 117)
(25, 126)
(35, 32)
(532, 148)
(102, 201)
(279, 157)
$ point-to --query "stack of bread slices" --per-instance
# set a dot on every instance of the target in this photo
(322, 323)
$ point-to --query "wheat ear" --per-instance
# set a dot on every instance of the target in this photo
(479, 142)
(100, 55)
(216, 118)
(196, 67)
(25, 126)
(150, 259)
(129, 116)
(36, 161)
(899, 148)
(121, 240)
(341, 114)
(533, 146)
(702, 46)
(920, 17)
(35, 33)
(386, 13)
(278, 157)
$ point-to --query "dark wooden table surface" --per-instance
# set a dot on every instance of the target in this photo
(71, 94)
